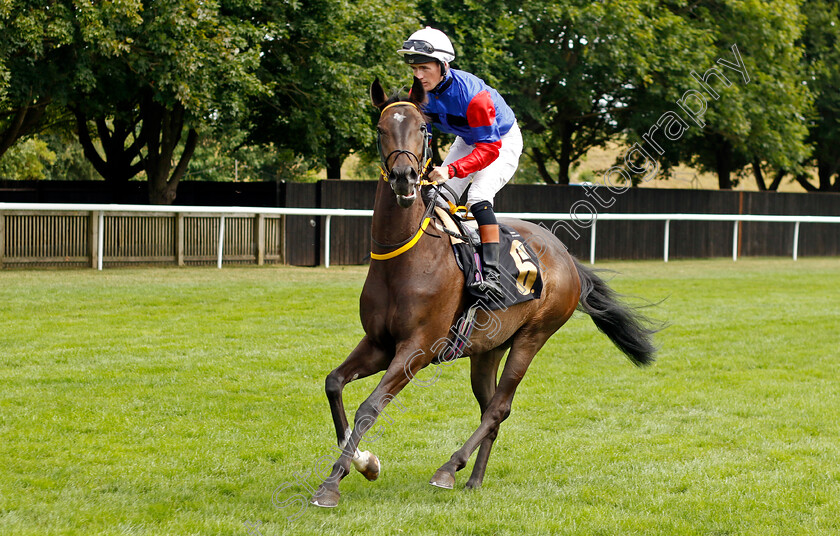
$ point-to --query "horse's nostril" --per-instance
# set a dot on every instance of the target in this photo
(403, 180)
(406, 173)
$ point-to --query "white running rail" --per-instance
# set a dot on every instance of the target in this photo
(583, 221)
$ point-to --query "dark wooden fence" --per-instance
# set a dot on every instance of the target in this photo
(625, 239)
(350, 236)
(643, 240)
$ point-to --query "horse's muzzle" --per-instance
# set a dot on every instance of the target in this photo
(403, 182)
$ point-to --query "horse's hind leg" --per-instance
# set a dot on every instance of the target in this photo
(484, 370)
(366, 359)
(521, 354)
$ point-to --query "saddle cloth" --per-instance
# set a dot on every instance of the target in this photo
(521, 278)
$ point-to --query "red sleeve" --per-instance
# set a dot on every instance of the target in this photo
(482, 156)
(481, 112)
(481, 116)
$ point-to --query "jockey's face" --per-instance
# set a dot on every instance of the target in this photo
(429, 74)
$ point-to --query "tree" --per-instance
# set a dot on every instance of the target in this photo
(149, 75)
(579, 70)
(745, 104)
(53, 156)
(34, 53)
(27, 160)
(821, 64)
(319, 63)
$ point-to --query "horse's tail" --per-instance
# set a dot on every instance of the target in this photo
(628, 329)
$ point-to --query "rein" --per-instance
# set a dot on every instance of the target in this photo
(409, 243)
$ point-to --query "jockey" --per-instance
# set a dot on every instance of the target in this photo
(488, 144)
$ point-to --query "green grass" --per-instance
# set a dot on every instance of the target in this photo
(176, 401)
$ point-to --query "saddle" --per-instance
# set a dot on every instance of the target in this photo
(521, 279)
(518, 264)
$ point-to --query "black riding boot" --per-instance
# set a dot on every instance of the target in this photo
(488, 229)
(492, 284)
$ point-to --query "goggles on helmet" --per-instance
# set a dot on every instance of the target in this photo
(424, 47)
(419, 46)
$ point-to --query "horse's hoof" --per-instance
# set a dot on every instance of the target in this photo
(443, 479)
(325, 497)
(369, 470)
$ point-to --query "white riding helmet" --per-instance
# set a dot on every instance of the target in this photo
(427, 45)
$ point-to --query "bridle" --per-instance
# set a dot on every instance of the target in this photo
(422, 168)
(422, 164)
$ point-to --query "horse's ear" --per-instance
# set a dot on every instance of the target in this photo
(417, 95)
(377, 94)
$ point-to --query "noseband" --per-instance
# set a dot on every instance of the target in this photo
(422, 165)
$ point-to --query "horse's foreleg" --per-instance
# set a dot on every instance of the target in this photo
(484, 370)
(400, 372)
(366, 359)
(521, 355)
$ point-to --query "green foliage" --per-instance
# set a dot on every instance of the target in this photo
(821, 65)
(282, 86)
(482, 46)
(28, 160)
(581, 71)
(52, 156)
(756, 120)
(199, 55)
(35, 53)
(319, 64)
(227, 159)
(162, 70)
(35, 50)
(70, 162)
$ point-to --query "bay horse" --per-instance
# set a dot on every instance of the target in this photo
(414, 293)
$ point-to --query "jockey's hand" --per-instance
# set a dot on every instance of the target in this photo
(439, 174)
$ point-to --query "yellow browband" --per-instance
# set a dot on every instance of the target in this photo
(403, 249)
(399, 103)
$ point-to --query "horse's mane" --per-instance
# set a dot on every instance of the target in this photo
(397, 95)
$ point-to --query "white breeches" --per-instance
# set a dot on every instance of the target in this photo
(488, 181)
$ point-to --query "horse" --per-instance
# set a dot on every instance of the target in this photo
(415, 292)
